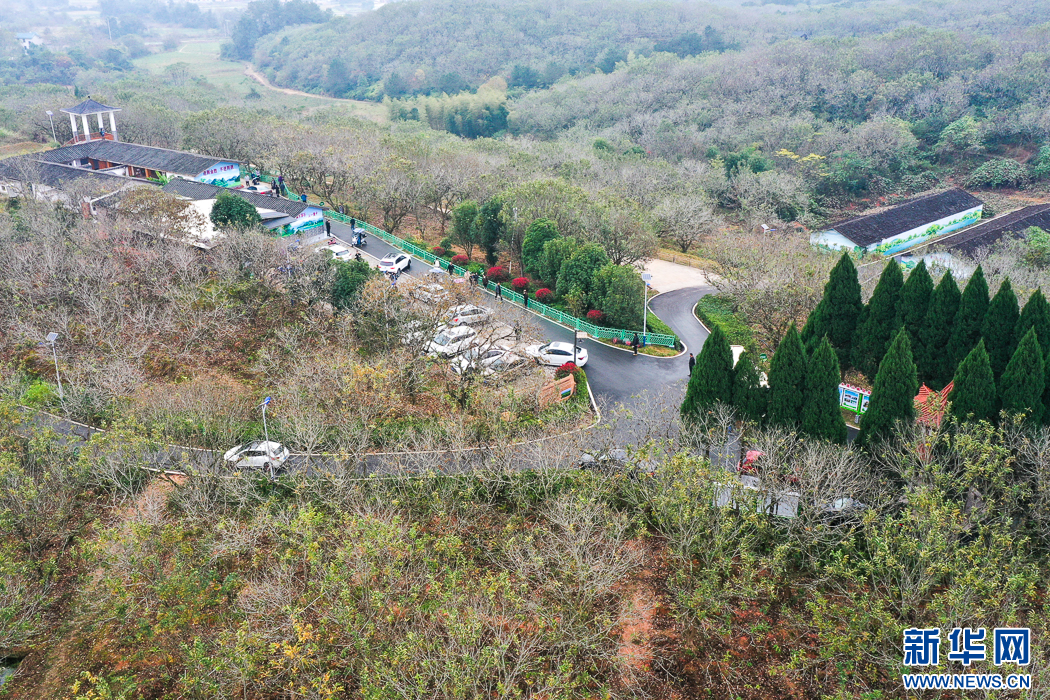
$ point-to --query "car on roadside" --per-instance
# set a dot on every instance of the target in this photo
(450, 342)
(395, 262)
(259, 455)
(429, 292)
(556, 354)
(468, 314)
(487, 360)
(341, 253)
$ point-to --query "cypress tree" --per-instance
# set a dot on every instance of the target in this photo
(787, 381)
(821, 416)
(1000, 323)
(893, 394)
(749, 396)
(916, 295)
(1021, 389)
(712, 378)
(837, 313)
(1036, 314)
(936, 364)
(973, 307)
(973, 393)
(881, 321)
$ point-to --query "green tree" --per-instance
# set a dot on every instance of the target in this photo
(555, 254)
(966, 329)
(838, 311)
(231, 211)
(973, 388)
(350, 278)
(577, 273)
(1000, 324)
(749, 396)
(916, 295)
(465, 226)
(712, 378)
(490, 228)
(893, 393)
(787, 381)
(934, 361)
(536, 236)
(1021, 388)
(617, 291)
(821, 415)
(1036, 314)
(879, 321)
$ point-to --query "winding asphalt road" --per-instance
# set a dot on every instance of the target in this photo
(615, 375)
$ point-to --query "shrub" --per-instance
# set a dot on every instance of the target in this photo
(438, 251)
(520, 283)
(475, 267)
(595, 315)
(1000, 172)
(460, 260)
(38, 394)
(544, 295)
(497, 273)
(714, 310)
(565, 370)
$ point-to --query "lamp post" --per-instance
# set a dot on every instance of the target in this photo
(51, 338)
(51, 114)
(109, 25)
(647, 277)
(266, 433)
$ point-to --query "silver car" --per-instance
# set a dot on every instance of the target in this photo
(258, 455)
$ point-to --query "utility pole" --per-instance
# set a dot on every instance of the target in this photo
(51, 114)
(51, 338)
(646, 278)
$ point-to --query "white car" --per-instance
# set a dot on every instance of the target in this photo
(395, 262)
(468, 314)
(431, 292)
(556, 354)
(486, 360)
(258, 455)
(338, 252)
(450, 342)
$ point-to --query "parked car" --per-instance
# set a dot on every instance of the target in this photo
(338, 252)
(395, 262)
(486, 360)
(450, 342)
(430, 292)
(556, 354)
(468, 314)
(258, 455)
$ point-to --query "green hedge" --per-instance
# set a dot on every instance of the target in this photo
(714, 310)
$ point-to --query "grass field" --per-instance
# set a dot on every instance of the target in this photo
(203, 60)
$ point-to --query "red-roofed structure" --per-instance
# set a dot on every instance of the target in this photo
(930, 405)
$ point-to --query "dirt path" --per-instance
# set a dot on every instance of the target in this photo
(648, 637)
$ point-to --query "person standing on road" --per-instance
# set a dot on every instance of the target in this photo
(328, 227)
(634, 343)
(692, 363)
(499, 291)
(525, 297)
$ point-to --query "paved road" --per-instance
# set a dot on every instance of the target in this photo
(615, 375)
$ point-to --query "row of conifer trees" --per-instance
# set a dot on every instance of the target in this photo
(908, 332)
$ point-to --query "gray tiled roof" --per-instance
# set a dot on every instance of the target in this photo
(56, 175)
(865, 230)
(89, 106)
(988, 232)
(202, 190)
(133, 154)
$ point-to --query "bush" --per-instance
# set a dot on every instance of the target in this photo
(543, 294)
(497, 273)
(714, 310)
(460, 260)
(38, 394)
(565, 370)
(595, 315)
(520, 284)
(475, 267)
(438, 251)
(1000, 172)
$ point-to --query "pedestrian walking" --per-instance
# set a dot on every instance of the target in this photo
(525, 297)
(499, 291)
(302, 197)
(635, 343)
(692, 363)
(328, 227)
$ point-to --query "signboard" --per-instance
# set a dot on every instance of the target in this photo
(853, 398)
(558, 390)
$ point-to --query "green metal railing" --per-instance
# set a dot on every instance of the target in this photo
(536, 307)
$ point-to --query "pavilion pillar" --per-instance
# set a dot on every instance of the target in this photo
(73, 124)
(87, 129)
(112, 126)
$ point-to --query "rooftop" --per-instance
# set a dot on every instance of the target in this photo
(89, 106)
(988, 232)
(132, 154)
(872, 228)
(56, 175)
(194, 190)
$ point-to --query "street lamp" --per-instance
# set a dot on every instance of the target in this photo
(647, 277)
(51, 338)
(576, 334)
(266, 433)
(50, 114)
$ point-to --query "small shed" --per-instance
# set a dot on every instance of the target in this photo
(993, 230)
